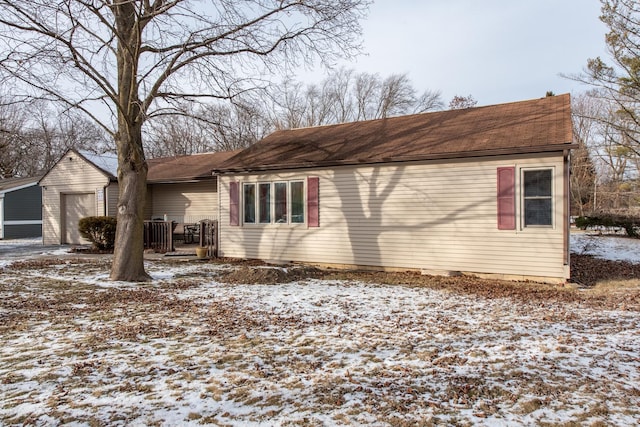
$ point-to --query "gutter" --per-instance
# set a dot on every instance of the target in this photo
(399, 159)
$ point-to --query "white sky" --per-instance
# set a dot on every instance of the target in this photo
(495, 50)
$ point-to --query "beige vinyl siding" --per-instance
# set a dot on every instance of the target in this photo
(185, 202)
(148, 203)
(71, 175)
(432, 216)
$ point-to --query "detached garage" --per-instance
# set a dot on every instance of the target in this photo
(20, 208)
(81, 184)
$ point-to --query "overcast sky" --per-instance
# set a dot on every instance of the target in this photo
(495, 50)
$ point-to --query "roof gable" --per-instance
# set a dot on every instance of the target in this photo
(519, 127)
(107, 164)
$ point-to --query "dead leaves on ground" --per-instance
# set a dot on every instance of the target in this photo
(587, 270)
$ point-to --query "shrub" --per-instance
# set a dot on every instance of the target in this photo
(99, 230)
(630, 224)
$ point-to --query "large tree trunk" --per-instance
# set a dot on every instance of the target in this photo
(128, 257)
(128, 262)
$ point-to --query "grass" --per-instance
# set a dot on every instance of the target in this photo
(208, 353)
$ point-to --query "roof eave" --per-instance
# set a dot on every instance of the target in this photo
(180, 181)
(401, 159)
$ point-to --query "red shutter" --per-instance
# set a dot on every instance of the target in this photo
(234, 203)
(507, 198)
(313, 198)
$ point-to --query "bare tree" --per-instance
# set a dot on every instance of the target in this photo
(12, 126)
(175, 135)
(234, 126)
(583, 170)
(123, 62)
(618, 82)
(459, 102)
(602, 132)
(33, 137)
(212, 127)
(348, 96)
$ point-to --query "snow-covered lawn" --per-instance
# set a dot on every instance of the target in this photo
(611, 247)
(188, 349)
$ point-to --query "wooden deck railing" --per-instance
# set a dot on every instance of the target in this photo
(209, 236)
(158, 235)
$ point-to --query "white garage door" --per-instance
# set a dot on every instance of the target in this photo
(76, 206)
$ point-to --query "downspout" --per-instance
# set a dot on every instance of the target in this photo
(105, 194)
(567, 211)
(219, 222)
(1, 216)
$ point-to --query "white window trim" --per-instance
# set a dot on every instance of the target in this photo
(272, 203)
(304, 202)
(243, 203)
(521, 199)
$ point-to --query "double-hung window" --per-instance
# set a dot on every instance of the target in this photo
(264, 202)
(297, 202)
(280, 202)
(249, 199)
(537, 200)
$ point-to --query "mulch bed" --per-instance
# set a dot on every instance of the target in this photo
(587, 271)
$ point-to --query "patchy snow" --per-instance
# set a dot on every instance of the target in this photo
(187, 349)
(611, 247)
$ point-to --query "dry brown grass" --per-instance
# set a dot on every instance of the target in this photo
(468, 349)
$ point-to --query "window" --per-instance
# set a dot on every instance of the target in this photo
(277, 202)
(280, 202)
(249, 197)
(537, 197)
(297, 202)
(264, 203)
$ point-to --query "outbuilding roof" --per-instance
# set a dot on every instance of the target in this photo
(539, 125)
(185, 168)
(11, 184)
(108, 163)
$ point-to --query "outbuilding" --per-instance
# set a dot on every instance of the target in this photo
(480, 190)
(20, 208)
(80, 184)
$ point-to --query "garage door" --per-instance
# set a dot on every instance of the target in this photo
(76, 206)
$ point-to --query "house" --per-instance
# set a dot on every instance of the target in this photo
(182, 188)
(20, 208)
(83, 184)
(479, 190)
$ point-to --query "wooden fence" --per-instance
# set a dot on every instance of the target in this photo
(209, 236)
(158, 235)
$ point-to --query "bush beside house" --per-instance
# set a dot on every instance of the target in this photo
(99, 230)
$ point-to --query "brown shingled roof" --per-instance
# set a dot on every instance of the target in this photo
(538, 125)
(186, 168)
